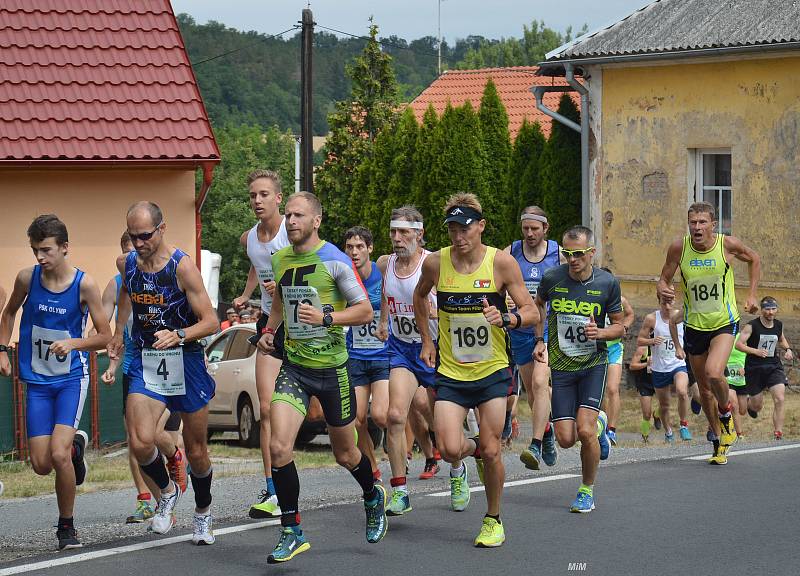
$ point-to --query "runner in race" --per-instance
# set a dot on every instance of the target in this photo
(260, 242)
(369, 358)
(639, 367)
(535, 254)
(580, 298)
(318, 292)
(55, 298)
(763, 370)
(471, 282)
(163, 290)
(734, 373)
(710, 313)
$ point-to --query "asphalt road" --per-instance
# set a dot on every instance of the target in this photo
(654, 516)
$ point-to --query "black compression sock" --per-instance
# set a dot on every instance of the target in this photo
(287, 489)
(157, 471)
(201, 484)
(363, 475)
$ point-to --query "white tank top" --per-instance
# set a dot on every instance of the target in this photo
(664, 359)
(399, 291)
(260, 254)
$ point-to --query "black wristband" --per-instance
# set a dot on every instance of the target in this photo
(519, 320)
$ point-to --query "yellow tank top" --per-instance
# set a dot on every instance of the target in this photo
(469, 347)
(709, 297)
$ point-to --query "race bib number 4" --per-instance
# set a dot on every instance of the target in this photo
(469, 338)
(364, 336)
(572, 339)
(768, 342)
(293, 296)
(43, 361)
(705, 294)
(405, 328)
(163, 371)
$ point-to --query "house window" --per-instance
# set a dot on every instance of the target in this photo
(713, 173)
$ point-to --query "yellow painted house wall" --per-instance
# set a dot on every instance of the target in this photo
(652, 116)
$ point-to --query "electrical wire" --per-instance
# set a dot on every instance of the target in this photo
(295, 27)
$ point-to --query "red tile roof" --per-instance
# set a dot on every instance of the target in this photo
(513, 85)
(98, 80)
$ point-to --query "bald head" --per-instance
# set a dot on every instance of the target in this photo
(146, 209)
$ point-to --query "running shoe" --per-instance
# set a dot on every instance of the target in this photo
(266, 507)
(720, 456)
(202, 534)
(710, 435)
(686, 436)
(531, 457)
(459, 491)
(164, 518)
(376, 516)
(431, 468)
(549, 448)
(669, 437)
(79, 456)
(292, 542)
(612, 437)
(143, 513)
(645, 438)
(602, 435)
(176, 466)
(696, 406)
(752, 413)
(778, 435)
(491, 535)
(727, 435)
(399, 503)
(583, 503)
(67, 538)
(657, 418)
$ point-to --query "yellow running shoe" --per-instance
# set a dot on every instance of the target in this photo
(727, 435)
(491, 535)
(720, 456)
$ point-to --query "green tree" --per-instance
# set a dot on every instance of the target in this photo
(403, 172)
(524, 180)
(355, 124)
(425, 154)
(497, 148)
(561, 172)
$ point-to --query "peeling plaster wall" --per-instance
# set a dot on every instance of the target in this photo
(652, 117)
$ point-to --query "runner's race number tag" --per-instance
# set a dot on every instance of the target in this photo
(364, 337)
(163, 371)
(532, 286)
(469, 338)
(768, 342)
(43, 361)
(705, 294)
(265, 275)
(293, 296)
(405, 328)
(572, 338)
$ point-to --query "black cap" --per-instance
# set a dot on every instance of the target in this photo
(463, 215)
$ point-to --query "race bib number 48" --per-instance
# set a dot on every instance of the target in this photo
(572, 339)
(364, 336)
(293, 296)
(469, 338)
(163, 371)
(43, 361)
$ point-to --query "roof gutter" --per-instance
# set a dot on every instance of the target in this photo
(583, 129)
(558, 67)
(208, 178)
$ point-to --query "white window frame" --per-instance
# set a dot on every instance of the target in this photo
(698, 188)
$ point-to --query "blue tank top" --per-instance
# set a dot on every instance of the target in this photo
(361, 341)
(126, 333)
(532, 273)
(47, 317)
(157, 301)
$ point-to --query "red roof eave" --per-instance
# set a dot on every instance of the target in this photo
(105, 162)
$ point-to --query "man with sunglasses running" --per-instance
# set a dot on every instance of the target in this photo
(580, 298)
(163, 290)
(710, 316)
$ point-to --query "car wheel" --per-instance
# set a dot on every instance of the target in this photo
(249, 434)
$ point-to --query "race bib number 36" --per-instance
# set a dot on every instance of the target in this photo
(364, 336)
(572, 339)
(43, 361)
(163, 371)
(705, 294)
(293, 296)
(469, 338)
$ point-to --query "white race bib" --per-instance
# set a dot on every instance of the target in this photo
(265, 275)
(469, 338)
(768, 342)
(43, 361)
(532, 286)
(293, 296)
(364, 336)
(705, 294)
(572, 339)
(404, 327)
(163, 371)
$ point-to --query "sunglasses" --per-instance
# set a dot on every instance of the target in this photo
(144, 236)
(576, 253)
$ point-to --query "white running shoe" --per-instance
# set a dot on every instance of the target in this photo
(164, 518)
(201, 529)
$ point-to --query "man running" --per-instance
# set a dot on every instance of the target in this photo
(401, 272)
(319, 293)
(580, 297)
(55, 298)
(163, 290)
(369, 357)
(667, 369)
(471, 281)
(261, 242)
(535, 254)
(763, 369)
(710, 313)
(639, 367)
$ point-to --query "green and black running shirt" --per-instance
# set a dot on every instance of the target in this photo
(572, 304)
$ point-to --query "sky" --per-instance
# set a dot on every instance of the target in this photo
(411, 19)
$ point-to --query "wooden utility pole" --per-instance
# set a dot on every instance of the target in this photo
(306, 139)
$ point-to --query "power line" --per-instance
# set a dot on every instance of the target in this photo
(295, 27)
(381, 42)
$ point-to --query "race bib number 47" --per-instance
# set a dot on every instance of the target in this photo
(572, 339)
(163, 371)
(768, 342)
(293, 297)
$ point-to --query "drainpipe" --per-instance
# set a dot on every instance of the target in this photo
(583, 129)
(208, 177)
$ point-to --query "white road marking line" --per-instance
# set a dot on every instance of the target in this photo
(740, 452)
(22, 568)
(508, 484)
